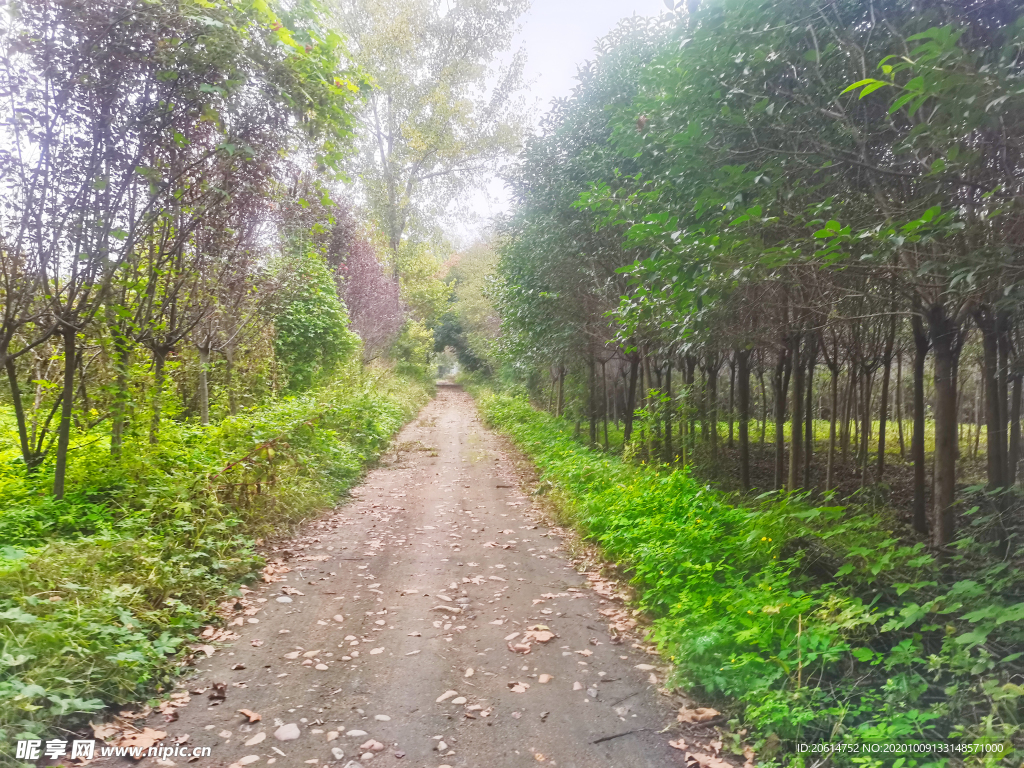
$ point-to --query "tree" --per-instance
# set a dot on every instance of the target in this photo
(440, 113)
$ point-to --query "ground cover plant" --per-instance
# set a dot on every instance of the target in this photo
(816, 622)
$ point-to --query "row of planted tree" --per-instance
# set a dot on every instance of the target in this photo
(820, 203)
(166, 222)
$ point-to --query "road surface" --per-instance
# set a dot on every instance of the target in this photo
(395, 628)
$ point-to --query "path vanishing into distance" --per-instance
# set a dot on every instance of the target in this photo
(432, 620)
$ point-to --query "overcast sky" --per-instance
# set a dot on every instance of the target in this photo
(557, 35)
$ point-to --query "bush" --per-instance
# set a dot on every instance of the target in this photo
(887, 647)
(100, 590)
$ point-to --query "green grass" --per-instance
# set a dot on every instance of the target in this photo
(99, 592)
(893, 648)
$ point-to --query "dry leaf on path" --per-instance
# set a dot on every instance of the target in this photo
(519, 647)
(678, 744)
(144, 739)
(518, 687)
(699, 715)
(254, 717)
(707, 761)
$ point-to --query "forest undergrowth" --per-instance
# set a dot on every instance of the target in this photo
(100, 593)
(810, 623)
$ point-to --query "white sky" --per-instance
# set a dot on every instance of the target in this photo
(557, 35)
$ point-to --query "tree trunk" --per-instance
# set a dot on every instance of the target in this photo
(560, 403)
(920, 509)
(1003, 325)
(764, 404)
(865, 430)
(781, 382)
(985, 319)
(883, 407)
(945, 335)
(844, 432)
(899, 404)
(712, 409)
(60, 467)
(743, 372)
(592, 399)
(604, 391)
(668, 413)
(229, 383)
(812, 355)
(833, 416)
(1014, 452)
(627, 430)
(159, 358)
(732, 397)
(796, 432)
(204, 385)
(27, 454)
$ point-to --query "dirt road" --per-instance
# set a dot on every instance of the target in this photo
(397, 636)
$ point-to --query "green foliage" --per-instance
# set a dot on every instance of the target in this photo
(311, 324)
(891, 648)
(100, 590)
(413, 349)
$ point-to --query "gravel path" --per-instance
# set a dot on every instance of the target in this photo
(397, 629)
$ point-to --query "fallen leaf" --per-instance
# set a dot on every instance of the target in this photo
(699, 715)
(545, 678)
(144, 739)
(259, 737)
(518, 687)
(678, 744)
(539, 635)
(519, 647)
(207, 649)
(256, 643)
(585, 652)
(707, 761)
(254, 717)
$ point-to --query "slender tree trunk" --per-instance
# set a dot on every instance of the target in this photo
(764, 404)
(1015, 406)
(833, 416)
(812, 355)
(899, 403)
(781, 382)
(119, 406)
(27, 454)
(229, 381)
(945, 339)
(920, 509)
(883, 406)
(634, 370)
(865, 432)
(560, 404)
(796, 431)
(159, 359)
(845, 431)
(978, 418)
(204, 385)
(60, 468)
(712, 410)
(592, 399)
(986, 322)
(668, 413)
(732, 397)
(743, 372)
(1003, 343)
(604, 391)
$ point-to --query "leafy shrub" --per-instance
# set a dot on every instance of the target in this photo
(889, 648)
